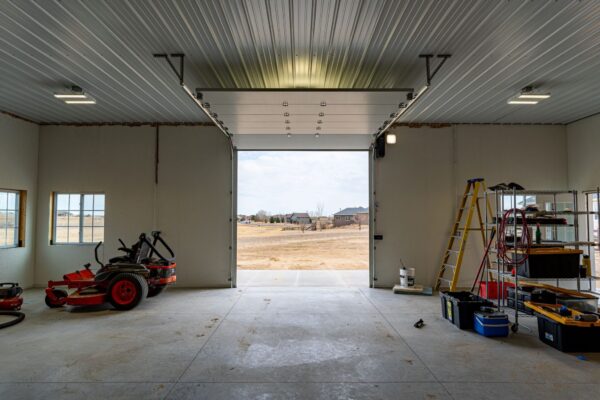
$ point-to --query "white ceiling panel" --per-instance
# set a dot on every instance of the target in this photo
(106, 47)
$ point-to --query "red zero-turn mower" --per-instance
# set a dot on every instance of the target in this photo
(10, 303)
(125, 281)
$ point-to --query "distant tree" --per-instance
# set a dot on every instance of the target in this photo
(261, 216)
(253, 218)
(272, 220)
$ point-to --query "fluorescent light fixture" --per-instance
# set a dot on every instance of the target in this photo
(390, 138)
(69, 96)
(74, 96)
(522, 102)
(534, 96)
(88, 101)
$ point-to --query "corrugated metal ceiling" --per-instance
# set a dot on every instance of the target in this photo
(106, 47)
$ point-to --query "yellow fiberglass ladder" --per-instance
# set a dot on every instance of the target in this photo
(455, 251)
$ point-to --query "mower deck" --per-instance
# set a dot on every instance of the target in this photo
(78, 299)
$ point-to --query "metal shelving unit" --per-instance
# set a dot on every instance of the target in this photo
(501, 271)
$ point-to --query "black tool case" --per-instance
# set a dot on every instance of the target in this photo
(459, 307)
(568, 338)
(550, 263)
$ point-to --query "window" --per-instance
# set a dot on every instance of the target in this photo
(522, 201)
(78, 218)
(10, 218)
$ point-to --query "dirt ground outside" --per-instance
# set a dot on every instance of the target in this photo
(270, 247)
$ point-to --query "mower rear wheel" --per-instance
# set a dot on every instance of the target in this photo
(126, 290)
(156, 290)
(60, 294)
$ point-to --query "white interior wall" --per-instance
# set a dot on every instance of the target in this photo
(421, 179)
(194, 177)
(195, 203)
(18, 171)
(413, 198)
(533, 156)
(583, 138)
(418, 184)
(583, 144)
(115, 160)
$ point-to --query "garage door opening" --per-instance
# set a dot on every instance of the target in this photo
(302, 218)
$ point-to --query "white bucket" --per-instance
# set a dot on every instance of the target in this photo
(407, 277)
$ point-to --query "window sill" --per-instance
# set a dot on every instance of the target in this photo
(73, 244)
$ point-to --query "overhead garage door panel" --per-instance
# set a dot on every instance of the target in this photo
(303, 112)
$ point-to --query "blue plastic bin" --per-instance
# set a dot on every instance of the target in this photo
(491, 324)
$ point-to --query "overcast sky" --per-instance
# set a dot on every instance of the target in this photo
(296, 181)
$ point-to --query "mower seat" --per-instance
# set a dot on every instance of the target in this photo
(119, 259)
(143, 254)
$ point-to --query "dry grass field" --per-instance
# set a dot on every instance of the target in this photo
(68, 231)
(268, 246)
(8, 229)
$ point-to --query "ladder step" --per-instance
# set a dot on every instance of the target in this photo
(452, 251)
(445, 280)
(449, 265)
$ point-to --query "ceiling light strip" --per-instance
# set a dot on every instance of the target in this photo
(534, 96)
(87, 101)
(522, 102)
(69, 96)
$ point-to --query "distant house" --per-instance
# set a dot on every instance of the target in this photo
(299, 218)
(351, 215)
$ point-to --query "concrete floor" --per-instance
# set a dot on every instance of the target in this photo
(310, 278)
(278, 343)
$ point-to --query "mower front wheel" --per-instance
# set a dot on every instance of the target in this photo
(126, 290)
(60, 295)
(156, 290)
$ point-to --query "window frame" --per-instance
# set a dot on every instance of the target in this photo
(20, 195)
(55, 195)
